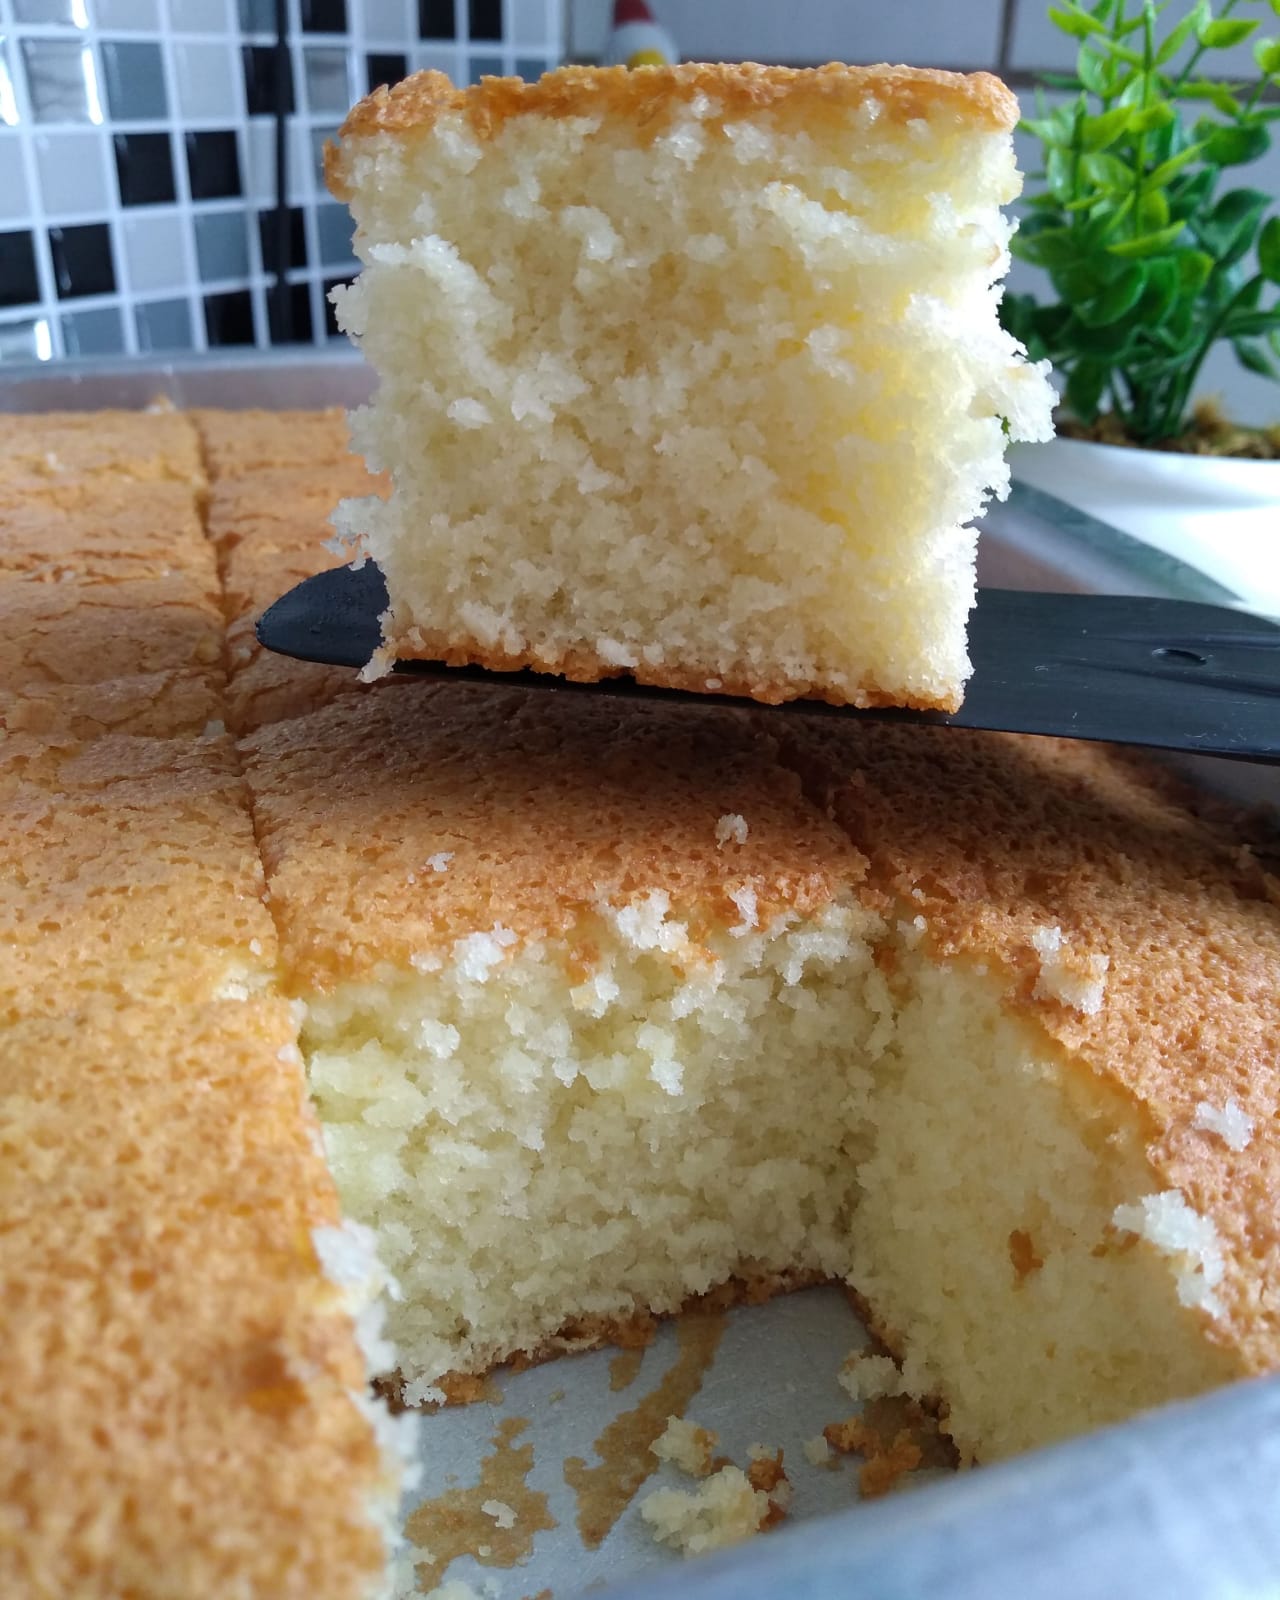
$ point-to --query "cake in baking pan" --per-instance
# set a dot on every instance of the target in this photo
(691, 373)
(608, 1004)
(554, 1016)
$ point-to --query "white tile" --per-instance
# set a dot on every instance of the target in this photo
(155, 252)
(65, 12)
(387, 21)
(127, 16)
(935, 33)
(328, 80)
(207, 81)
(441, 58)
(260, 153)
(8, 94)
(14, 200)
(72, 169)
(532, 24)
(62, 81)
(25, 340)
(200, 16)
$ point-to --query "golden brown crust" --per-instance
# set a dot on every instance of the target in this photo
(991, 837)
(550, 805)
(239, 442)
(648, 96)
(176, 1370)
(285, 507)
(119, 531)
(88, 633)
(55, 454)
(154, 705)
(129, 870)
(582, 665)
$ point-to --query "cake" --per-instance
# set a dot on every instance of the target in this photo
(400, 980)
(189, 1318)
(691, 373)
(932, 1014)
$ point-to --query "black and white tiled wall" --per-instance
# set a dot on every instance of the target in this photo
(137, 157)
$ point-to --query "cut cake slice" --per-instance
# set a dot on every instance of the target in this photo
(604, 1009)
(693, 373)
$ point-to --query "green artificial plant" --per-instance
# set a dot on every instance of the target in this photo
(1152, 256)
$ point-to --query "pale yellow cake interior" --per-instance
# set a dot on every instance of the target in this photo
(538, 1146)
(706, 397)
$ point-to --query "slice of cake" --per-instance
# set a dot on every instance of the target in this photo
(184, 1385)
(692, 373)
(188, 1319)
(607, 1005)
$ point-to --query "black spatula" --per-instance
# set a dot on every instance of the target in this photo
(1171, 674)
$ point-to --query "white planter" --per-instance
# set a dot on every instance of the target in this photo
(1222, 516)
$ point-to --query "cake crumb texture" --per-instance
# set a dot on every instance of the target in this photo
(731, 333)
(724, 1509)
(686, 1446)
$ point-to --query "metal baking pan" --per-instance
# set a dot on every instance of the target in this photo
(1184, 1502)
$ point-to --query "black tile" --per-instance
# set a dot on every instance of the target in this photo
(213, 165)
(260, 80)
(299, 316)
(436, 19)
(330, 318)
(82, 261)
(144, 166)
(18, 283)
(297, 239)
(228, 318)
(386, 69)
(324, 16)
(486, 19)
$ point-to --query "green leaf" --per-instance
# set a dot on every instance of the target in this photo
(1161, 175)
(1096, 72)
(1147, 244)
(1115, 300)
(1096, 133)
(1164, 285)
(1107, 174)
(1059, 175)
(1195, 18)
(1086, 383)
(1079, 24)
(1234, 147)
(1150, 119)
(1228, 230)
(1153, 211)
(1190, 193)
(1050, 247)
(1269, 249)
(1225, 32)
(1249, 324)
(1054, 130)
(1255, 358)
(1221, 96)
(1267, 54)
(1194, 267)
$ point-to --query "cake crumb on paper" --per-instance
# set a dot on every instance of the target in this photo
(687, 1446)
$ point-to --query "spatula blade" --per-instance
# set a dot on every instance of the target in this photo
(1167, 674)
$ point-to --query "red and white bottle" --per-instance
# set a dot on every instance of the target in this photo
(637, 39)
